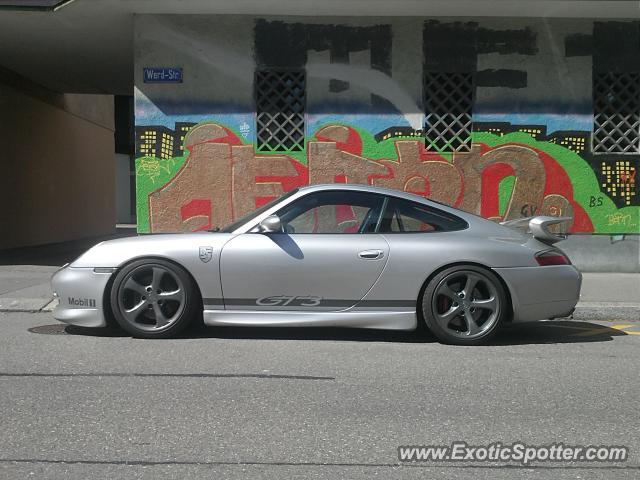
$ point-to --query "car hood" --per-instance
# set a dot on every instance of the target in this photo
(114, 253)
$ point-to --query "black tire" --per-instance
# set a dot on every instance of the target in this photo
(153, 298)
(458, 317)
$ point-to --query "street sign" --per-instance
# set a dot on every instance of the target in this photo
(162, 75)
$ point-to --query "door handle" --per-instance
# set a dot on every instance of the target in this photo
(371, 254)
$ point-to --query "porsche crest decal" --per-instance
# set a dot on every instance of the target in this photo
(206, 253)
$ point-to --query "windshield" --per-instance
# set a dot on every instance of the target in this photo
(248, 217)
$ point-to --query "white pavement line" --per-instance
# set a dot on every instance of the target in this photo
(50, 306)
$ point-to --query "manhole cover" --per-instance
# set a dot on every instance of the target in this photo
(62, 329)
(56, 329)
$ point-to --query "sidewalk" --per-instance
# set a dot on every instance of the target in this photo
(25, 288)
(605, 296)
(25, 272)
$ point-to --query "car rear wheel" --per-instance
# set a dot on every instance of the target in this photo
(153, 298)
(464, 305)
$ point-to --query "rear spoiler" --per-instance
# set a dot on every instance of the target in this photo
(539, 227)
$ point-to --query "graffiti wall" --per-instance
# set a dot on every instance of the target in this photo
(530, 153)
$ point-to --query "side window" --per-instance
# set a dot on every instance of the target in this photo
(404, 216)
(333, 212)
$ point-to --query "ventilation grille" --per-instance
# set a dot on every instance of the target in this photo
(280, 104)
(448, 103)
(616, 100)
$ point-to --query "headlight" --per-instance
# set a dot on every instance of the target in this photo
(61, 268)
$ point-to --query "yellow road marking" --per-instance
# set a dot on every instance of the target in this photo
(602, 329)
(624, 329)
(592, 331)
(549, 324)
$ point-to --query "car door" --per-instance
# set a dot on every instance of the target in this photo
(326, 259)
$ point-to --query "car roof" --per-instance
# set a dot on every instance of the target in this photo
(481, 225)
(372, 189)
(467, 216)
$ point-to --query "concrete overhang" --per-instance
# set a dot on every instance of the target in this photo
(86, 46)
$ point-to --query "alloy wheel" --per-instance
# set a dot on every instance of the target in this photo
(151, 297)
(466, 304)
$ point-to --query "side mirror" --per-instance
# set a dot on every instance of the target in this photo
(271, 224)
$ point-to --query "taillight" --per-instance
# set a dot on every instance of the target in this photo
(552, 257)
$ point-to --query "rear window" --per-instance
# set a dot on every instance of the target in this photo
(405, 216)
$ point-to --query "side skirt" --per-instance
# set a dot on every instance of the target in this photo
(384, 320)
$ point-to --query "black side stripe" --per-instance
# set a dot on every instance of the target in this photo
(213, 302)
(387, 303)
(249, 302)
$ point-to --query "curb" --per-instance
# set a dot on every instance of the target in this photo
(27, 305)
(628, 312)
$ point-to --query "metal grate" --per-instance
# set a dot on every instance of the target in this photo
(280, 105)
(616, 119)
(448, 103)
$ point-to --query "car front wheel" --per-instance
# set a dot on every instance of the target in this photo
(153, 298)
(464, 305)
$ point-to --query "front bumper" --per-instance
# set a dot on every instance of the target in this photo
(80, 293)
(539, 293)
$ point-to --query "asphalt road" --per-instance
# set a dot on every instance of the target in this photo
(256, 403)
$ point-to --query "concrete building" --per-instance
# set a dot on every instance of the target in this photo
(506, 109)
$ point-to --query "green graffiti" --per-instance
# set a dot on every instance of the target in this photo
(151, 174)
(606, 217)
(504, 192)
(586, 191)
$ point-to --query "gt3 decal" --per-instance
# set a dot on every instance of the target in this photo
(206, 253)
(285, 300)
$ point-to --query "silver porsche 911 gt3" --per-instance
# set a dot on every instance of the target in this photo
(328, 255)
